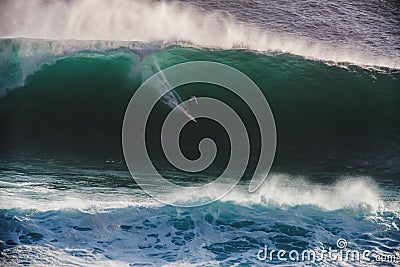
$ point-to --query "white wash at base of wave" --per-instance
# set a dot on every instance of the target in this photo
(278, 190)
(282, 190)
(286, 191)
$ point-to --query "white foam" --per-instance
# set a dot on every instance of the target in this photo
(279, 190)
(87, 200)
(283, 190)
(51, 256)
(123, 20)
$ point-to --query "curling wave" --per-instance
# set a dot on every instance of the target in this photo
(166, 22)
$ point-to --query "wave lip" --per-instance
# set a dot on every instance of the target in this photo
(166, 22)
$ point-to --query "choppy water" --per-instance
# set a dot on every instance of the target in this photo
(367, 25)
(64, 212)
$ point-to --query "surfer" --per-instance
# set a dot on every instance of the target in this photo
(170, 98)
(186, 112)
(193, 99)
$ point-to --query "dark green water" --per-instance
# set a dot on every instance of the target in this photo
(66, 192)
(69, 68)
(327, 117)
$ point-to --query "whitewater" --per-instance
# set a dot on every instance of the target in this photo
(329, 70)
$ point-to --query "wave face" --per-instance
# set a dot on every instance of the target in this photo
(344, 115)
(69, 68)
(184, 23)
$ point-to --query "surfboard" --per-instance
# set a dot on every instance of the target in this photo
(187, 114)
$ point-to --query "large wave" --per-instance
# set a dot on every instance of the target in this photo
(344, 117)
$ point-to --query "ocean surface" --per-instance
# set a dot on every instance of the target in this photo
(330, 71)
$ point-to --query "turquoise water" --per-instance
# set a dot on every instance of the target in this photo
(331, 79)
(67, 197)
(63, 212)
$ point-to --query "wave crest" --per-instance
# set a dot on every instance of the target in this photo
(168, 22)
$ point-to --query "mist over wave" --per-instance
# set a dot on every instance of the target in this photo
(68, 69)
(166, 22)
